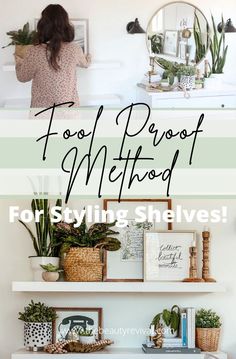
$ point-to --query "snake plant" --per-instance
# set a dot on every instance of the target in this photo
(218, 48)
(44, 241)
(201, 46)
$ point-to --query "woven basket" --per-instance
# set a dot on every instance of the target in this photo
(83, 265)
(21, 50)
(207, 339)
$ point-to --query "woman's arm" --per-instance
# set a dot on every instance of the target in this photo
(25, 68)
(82, 60)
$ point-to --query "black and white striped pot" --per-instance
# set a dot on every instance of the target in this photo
(37, 335)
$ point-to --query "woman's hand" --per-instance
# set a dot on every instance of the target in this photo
(89, 58)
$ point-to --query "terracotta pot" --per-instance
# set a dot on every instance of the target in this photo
(50, 276)
(21, 50)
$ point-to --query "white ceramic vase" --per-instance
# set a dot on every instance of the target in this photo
(214, 81)
(37, 335)
(35, 263)
(87, 340)
(168, 332)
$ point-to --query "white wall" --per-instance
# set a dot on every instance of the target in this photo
(108, 41)
(119, 309)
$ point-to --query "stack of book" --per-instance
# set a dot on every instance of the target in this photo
(184, 343)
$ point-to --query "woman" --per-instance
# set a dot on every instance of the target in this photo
(51, 64)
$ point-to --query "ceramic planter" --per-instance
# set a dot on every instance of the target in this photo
(168, 332)
(50, 276)
(87, 340)
(214, 81)
(37, 335)
(35, 263)
(188, 82)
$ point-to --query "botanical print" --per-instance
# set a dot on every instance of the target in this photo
(131, 238)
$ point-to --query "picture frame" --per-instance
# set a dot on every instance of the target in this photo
(81, 32)
(126, 264)
(171, 39)
(71, 319)
(166, 255)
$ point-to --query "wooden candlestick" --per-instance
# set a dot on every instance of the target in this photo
(193, 267)
(206, 257)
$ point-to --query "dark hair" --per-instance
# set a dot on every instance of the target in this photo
(52, 29)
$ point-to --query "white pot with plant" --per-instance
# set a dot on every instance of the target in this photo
(45, 244)
(169, 320)
(37, 318)
(186, 75)
(22, 39)
(51, 273)
(219, 51)
(86, 336)
(208, 326)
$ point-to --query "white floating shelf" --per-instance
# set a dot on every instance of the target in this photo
(96, 65)
(118, 287)
(114, 353)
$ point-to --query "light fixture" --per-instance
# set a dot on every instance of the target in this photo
(133, 27)
(229, 27)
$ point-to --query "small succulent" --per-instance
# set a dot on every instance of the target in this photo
(51, 268)
(186, 71)
(86, 332)
(22, 36)
(207, 319)
(37, 313)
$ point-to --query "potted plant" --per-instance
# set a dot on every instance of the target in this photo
(186, 75)
(43, 240)
(37, 318)
(169, 320)
(22, 39)
(51, 272)
(82, 248)
(86, 336)
(208, 326)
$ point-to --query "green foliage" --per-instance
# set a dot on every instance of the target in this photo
(156, 43)
(22, 36)
(37, 313)
(51, 268)
(171, 318)
(185, 70)
(218, 48)
(86, 332)
(44, 243)
(201, 47)
(207, 319)
(98, 235)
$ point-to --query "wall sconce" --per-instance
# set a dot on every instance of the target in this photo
(133, 27)
(229, 27)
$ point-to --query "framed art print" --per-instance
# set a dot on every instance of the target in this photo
(81, 27)
(71, 320)
(166, 255)
(170, 43)
(126, 264)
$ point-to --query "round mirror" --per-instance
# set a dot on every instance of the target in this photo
(178, 32)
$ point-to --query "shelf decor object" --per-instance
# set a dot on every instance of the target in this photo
(126, 264)
(166, 255)
(208, 327)
(206, 256)
(193, 267)
(70, 321)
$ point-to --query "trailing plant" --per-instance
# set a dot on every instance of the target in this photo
(51, 268)
(207, 319)
(201, 47)
(218, 48)
(45, 244)
(171, 318)
(98, 235)
(86, 332)
(22, 36)
(37, 313)
(156, 43)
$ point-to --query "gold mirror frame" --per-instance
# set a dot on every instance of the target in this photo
(195, 7)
